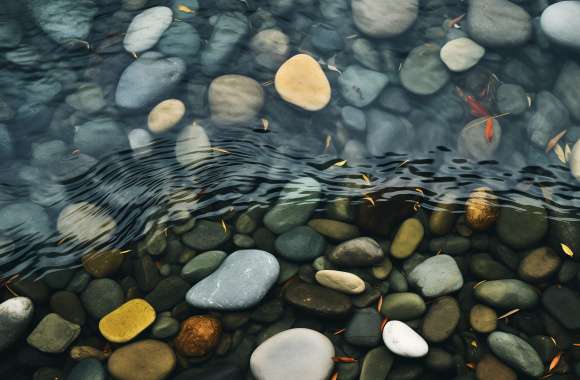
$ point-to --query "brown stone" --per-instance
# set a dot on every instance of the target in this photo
(198, 336)
(165, 115)
(144, 360)
(481, 209)
(103, 264)
(491, 368)
(483, 319)
(539, 265)
(441, 320)
(334, 229)
(442, 219)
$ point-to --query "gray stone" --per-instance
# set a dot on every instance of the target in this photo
(364, 328)
(300, 244)
(270, 47)
(511, 98)
(145, 81)
(366, 54)
(88, 98)
(101, 297)
(522, 227)
(88, 369)
(146, 29)
(507, 294)
(403, 306)
(53, 334)
(360, 86)
(15, 316)
(387, 132)
(567, 88)
(169, 292)
(559, 22)
(461, 54)
(317, 300)
(423, 72)
(202, 265)
(564, 304)
(191, 146)
(359, 252)
(165, 327)
(353, 118)
(23, 219)
(206, 235)
(516, 352)
(240, 282)
(228, 32)
(326, 39)
(64, 20)
(384, 18)
(235, 99)
(181, 40)
(549, 117)
(99, 137)
(498, 23)
(474, 144)
(377, 364)
(437, 276)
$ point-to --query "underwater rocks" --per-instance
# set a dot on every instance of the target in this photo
(402, 340)
(387, 132)
(384, 18)
(15, 316)
(235, 99)
(461, 54)
(228, 32)
(146, 360)
(516, 352)
(498, 23)
(560, 23)
(165, 115)
(53, 334)
(423, 72)
(147, 28)
(360, 86)
(437, 276)
(192, 145)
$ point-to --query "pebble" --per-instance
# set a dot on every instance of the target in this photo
(198, 336)
(473, 143)
(377, 364)
(301, 81)
(318, 300)
(87, 369)
(24, 218)
(240, 282)
(101, 297)
(404, 306)
(360, 86)
(567, 88)
(334, 229)
(423, 72)
(498, 23)
(384, 18)
(549, 117)
(229, 30)
(325, 39)
(483, 319)
(387, 132)
(148, 79)
(10, 34)
(359, 252)
(507, 294)
(206, 235)
(490, 368)
(147, 28)
(516, 352)
(539, 265)
(88, 98)
(438, 275)
(343, 282)
(408, 237)
(53, 334)
(165, 115)
(559, 23)
(512, 98)
(167, 293)
(104, 263)
(523, 227)
(353, 118)
(191, 146)
(311, 354)
(202, 265)
(300, 244)
(441, 320)
(68, 306)
(64, 21)
(564, 304)
(461, 54)
(164, 327)
(363, 329)
(15, 316)
(235, 99)
(270, 47)
(181, 40)
(144, 360)
(402, 340)
(127, 321)
(100, 136)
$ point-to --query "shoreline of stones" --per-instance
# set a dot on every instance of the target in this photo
(485, 292)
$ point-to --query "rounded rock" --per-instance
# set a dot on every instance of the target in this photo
(507, 294)
(384, 18)
(85, 223)
(343, 282)
(101, 297)
(483, 319)
(403, 306)
(461, 54)
(407, 239)
(127, 321)
(146, 29)
(104, 263)
(198, 336)
(15, 316)
(165, 115)
(143, 360)
(560, 23)
(403, 340)
(438, 275)
(423, 72)
(270, 47)
(516, 352)
(522, 227)
(481, 209)
(235, 99)
(359, 252)
(441, 320)
(539, 265)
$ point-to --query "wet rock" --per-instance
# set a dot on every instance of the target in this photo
(100, 137)
(363, 329)
(53, 334)
(198, 336)
(490, 368)
(127, 321)
(407, 239)
(441, 320)
(146, 29)
(567, 88)
(384, 18)
(498, 23)
(228, 32)
(10, 33)
(180, 40)
(474, 144)
(300, 244)
(301, 81)
(549, 116)
(437, 276)
(387, 132)
(15, 316)
(423, 72)
(366, 54)
(334, 229)
(360, 86)
(507, 294)
(85, 222)
(402, 340)
(144, 360)
(516, 352)
(539, 265)
(165, 115)
(68, 306)
(357, 252)
(64, 20)
(484, 267)
(202, 266)
(318, 300)
(481, 209)
(511, 98)
(240, 282)
(483, 319)
(325, 39)
(312, 353)
(558, 23)
(343, 282)
(101, 297)
(164, 327)
(206, 235)
(235, 99)
(461, 54)
(191, 146)
(88, 98)
(148, 79)
(270, 47)
(24, 218)
(522, 227)
(377, 364)
(87, 369)
(169, 292)
(564, 304)
(403, 306)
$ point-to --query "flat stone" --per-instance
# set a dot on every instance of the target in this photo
(423, 72)
(403, 306)
(402, 340)
(507, 294)
(181, 40)
(300, 244)
(169, 292)
(408, 237)
(15, 316)
(229, 30)
(206, 235)
(567, 88)
(384, 18)
(165, 115)
(564, 304)
(100, 136)
(240, 282)
(334, 229)
(101, 297)
(461, 54)
(164, 327)
(235, 99)
(498, 23)
(312, 353)
(202, 265)
(516, 352)
(363, 329)
(144, 360)
(127, 321)
(53, 334)
(301, 81)
(437, 276)
(104, 263)
(360, 86)
(359, 252)
(318, 300)
(343, 282)
(539, 265)
(559, 23)
(146, 29)
(523, 227)
(441, 320)
(512, 98)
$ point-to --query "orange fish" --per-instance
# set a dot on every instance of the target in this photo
(477, 109)
(489, 129)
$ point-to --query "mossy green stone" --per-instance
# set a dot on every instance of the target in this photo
(377, 364)
(407, 239)
(403, 306)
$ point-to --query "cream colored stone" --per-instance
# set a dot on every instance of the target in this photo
(165, 115)
(235, 99)
(301, 81)
(86, 222)
(343, 282)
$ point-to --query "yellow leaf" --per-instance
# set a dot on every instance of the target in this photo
(224, 226)
(474, 344)
(265, 124)
(560, 153)
(509, 313)
(366, 178)
(340, 163)
(370, 199)
(327, 142)
(479, 283)
(221, 150)
(567, 250)
(552, 143)
(185, 9)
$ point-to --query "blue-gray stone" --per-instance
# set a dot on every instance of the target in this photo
(387, 132)
(180, 40)
(326, 39)
(353, 118)
(437, 276)
(507, 294)
(6, 148)
(20, 219)
(10, 33)
(360, 86)
(516, 352)
(228, 32)
(148, 79)
(549, 116)
(300, 244)
(48, 153)
(511, 98)
(567, 88)
(87, 369)
(240, 282)
(99, 137)
(202, 265)
(364, 328)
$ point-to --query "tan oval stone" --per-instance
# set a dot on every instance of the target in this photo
(407, 239)
(235, 99)
(481, 209)
(343, 282)
(491, 368)
(442, 219)
(334, 229)
(483, 319)
(127, 321)
(301, 81)
(539, 265)
(198, 336)
(165, 115)
(86, 222)
(103, 264)
(145, 360)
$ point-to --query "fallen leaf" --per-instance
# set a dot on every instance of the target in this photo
(555, 361)
(224, 226)
(333, 68)
(567, 152)
(327, 142)
(221, 150)
(340, 163)
(471, 365)
(455, 20)
(334, 376)
(265, 124)
(509, 313)
(343, 359)
(185, 9)
(479, 283)
(529, 101)
(554, 140)
(384, 323)
(338, 332)
(380, 304)
(403, 163)
(366, 178)
(554, 341)
(560, 153)
(576, 344)
(370, 199)
(267, 83)
(125, 251)
(474, 344)
(567, 250)
(134, 55)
